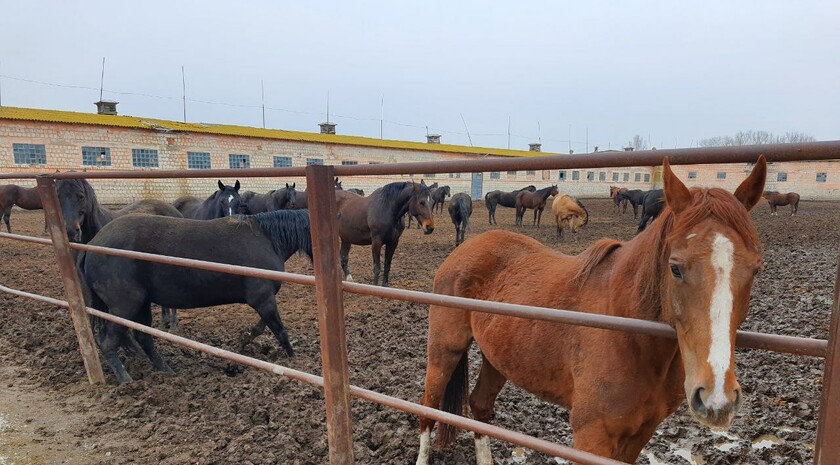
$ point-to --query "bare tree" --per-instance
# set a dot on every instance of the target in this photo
(755, 138)
(638, 143)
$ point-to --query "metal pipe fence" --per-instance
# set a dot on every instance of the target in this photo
(329, 287)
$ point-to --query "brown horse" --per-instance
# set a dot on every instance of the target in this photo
(693, 269)
(535, 200)
(569, 210)
(302, 198)
(618, 200)
(377, 220)
(24, 197)
(775, 199)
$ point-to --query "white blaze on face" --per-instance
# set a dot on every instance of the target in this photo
(230, 208)
(423, 454)
(720, 349)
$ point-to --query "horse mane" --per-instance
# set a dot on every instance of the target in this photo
(288, 230)
(585, 220)
(98, 216)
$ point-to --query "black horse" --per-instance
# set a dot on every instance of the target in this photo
(278, 199)
(224, 202)
(460, 209)
(439, 197)
(506, 199)
(634, 196)
(652, 205)
(377, 220)
(126, 287)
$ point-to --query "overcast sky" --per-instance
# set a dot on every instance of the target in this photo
(672, 71)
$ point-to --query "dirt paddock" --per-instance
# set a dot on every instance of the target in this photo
(213, 412)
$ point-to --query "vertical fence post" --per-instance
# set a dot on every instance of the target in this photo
(330, 299)
(827, 451)
(70, 279)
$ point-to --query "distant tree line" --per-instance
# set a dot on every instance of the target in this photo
(755, 138)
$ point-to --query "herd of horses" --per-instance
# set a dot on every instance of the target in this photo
(617, 386)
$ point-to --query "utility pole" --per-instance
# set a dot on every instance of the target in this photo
(184, 91)
(381, 115)
(262, 92)
(508, 132)
(102, 79)
(466, 128)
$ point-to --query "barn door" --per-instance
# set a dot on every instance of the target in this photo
(476, 185)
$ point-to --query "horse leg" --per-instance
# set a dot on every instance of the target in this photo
(389, 254)
(112, 339)
(6, 217)
(173, 321)
(482, 401)
(266, 307)
(345, 255)
(535, 216)
(147, 342)
(375, 250)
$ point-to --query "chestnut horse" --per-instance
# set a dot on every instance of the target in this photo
(569, 210)
(26, 198)
(693, 269)
(618, 201)
(775, 199)
(535, 200)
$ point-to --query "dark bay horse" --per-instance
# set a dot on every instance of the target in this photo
(652, 205)
(439, 197)
(432, 188)
(693, 269)
(775, 199)
(634, 197)
(377, 220)
(224, 202)
(535, 200)
(460, 209)
(302, 201)
(127, 288)
(26, 198)
(279, 199)
(493, 199)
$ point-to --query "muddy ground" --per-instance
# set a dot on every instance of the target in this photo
(212, 412)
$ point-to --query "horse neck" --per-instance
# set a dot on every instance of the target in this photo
(642, 261)
(98, 218)
(544, 192)
(398, 206)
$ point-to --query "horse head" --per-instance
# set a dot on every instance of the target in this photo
(228, 199)
(337, 184)
(713, 253)
(420, 206)
(78, 206)
(554, 190)
(291, 196)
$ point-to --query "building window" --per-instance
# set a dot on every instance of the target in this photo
(721, 175)
(638, 177)
(29, 154)
(282, 162)
(512, 173)
(602, 176)
(198, 160)
(561, 175)
(375, 163)
(239, 161)
(821, 177)
(781, 177)
(314, 161)
(615, 177)
(692, 175)
(626, 177)
(454, 175)
(349, 162)
(575, 175)
(96, 156)
(530, 173)
(590, 175)
(647, 177)
(144, 158)
(495, 175)
(429, 175)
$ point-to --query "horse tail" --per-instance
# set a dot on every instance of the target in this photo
(454, 401)
(585, 212)
(465, 216)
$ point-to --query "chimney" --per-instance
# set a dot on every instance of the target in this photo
(327, 128)
(535, 147)
(106, 107)
(596, 148)
(433, 138)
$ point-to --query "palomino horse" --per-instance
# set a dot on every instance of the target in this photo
(568, 210)
(377, 220)
(224, 202)
(775, 199)
(693, 269)
(24, 197)
(279, 199)
(493, 199)
(535, 200)
(460, 209)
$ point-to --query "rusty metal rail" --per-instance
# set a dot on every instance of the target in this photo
(329, 286)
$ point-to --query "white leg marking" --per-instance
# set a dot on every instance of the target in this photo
(349, 278)
(230, 209)
(483, 454)
(423, 455)
(720, 350)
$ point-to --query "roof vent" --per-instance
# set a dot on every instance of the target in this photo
(433, 138)
(327, 127)
(628, 149)
(535, 147)
(106, 107)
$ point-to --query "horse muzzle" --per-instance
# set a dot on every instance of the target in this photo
(74, 234)
(716, 411)
(428, 228)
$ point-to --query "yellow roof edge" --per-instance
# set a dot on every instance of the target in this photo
(135, 122)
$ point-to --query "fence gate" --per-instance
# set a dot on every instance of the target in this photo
(476, 185)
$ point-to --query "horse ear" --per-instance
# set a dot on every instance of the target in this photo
(221, 185)
(236, 186)
(677, 195)
(293, 185)
(751, 190)
(287, 185)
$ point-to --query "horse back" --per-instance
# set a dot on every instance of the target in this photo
(150, 207)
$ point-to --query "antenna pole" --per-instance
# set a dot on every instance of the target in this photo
(508, 132)
(570, 138)
(328, 106)
(587, 139)
(539, 133)
(262, 92)
(184, 91)
(1, 83)
(466, 128)
(102, 79)
(381, 114)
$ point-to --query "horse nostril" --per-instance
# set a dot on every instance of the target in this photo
(697, 402)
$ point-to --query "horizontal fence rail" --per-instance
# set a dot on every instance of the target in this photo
(746, 339)
(811, 151)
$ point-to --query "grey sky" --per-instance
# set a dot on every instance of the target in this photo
(677, 71)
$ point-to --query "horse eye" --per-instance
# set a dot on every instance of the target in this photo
(675, 270)
(81, 213)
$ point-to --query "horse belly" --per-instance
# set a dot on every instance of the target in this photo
(198, 288)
